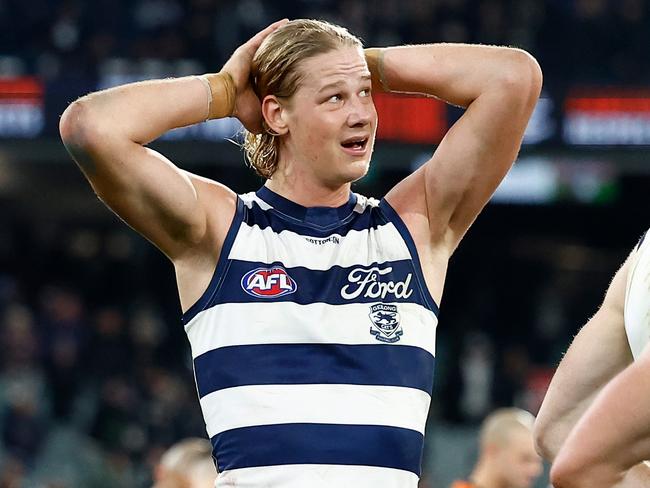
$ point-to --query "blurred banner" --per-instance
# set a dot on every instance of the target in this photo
(611, 117)
(605, 116)
(21, 107)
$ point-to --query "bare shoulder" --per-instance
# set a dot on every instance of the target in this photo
(195, 266)
(615, 297)
(219, 203)
(211, 189)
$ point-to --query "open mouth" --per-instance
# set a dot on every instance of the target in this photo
(357, 144)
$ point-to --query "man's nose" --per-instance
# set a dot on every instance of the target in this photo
(361, 112)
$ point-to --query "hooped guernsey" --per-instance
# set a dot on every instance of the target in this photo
(313, 347)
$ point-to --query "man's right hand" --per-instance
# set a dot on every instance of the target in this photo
(248, 108)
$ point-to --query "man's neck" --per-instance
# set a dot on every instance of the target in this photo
(304, 191)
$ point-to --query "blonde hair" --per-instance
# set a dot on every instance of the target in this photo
(276, 71)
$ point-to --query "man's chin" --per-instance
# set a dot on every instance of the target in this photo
(358, 169)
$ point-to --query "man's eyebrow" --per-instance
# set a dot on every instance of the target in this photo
(337, 84)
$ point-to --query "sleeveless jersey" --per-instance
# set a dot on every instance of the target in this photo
(313, 347)
(637, 298)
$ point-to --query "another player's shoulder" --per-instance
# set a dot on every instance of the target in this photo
(639, 265)
(639, 257)
(637, 297)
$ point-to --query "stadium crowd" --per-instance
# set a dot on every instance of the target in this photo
(577, 40)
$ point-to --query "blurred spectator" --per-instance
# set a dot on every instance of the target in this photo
(511, 378)
(117, 413)
(109, 344)
(477, 374)
(12, 474)
(507, 457)
(187, 464)
(18, 339)
(23, 422)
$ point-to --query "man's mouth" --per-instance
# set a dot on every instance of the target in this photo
(355, 144)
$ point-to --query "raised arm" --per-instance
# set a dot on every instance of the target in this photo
(597, 354)
(612, 439)
(106, 133)
(499, 87)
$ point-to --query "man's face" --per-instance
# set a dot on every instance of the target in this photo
(519, 463)
(331, 118)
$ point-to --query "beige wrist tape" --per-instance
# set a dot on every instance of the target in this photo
(375, 60)
(222, 93)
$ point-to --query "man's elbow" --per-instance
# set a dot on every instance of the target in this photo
(541, 437)
(549, 432)
(81, 135)
(74, 124)
(522, 76)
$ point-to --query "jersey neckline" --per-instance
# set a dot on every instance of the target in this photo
(320, 216)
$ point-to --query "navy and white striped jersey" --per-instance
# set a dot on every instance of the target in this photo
(313, 347)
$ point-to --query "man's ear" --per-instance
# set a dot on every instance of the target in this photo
(274, 115)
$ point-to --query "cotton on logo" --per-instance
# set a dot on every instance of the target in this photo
(268, 282)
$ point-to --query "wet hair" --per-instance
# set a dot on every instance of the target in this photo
(276, 71)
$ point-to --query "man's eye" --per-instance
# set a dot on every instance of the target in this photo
(334, 98)
(365, 92)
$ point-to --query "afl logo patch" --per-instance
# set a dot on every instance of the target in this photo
(385, 322)
(268, 282)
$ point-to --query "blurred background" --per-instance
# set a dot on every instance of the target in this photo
(95, 369)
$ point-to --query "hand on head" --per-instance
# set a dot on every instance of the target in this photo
(247, 105)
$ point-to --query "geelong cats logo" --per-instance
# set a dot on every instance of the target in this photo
(268, 282)
(385, 322)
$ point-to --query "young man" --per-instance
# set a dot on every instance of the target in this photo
(507, 457)
(594, 422)
(310, 310)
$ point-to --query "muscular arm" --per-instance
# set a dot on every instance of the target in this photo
(499, 87)
(597, 354)
(612, 436)
(185, 216)
(105, 132)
